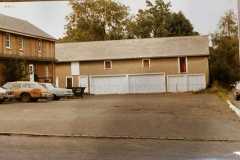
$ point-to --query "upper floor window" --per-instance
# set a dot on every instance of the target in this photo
(39, 45)
(107, 64)
(183, 64)
(8, 40)
(146, 63)
(21, 43)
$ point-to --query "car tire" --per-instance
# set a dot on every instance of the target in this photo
(25, 97)
(56, 98)
(1, 101)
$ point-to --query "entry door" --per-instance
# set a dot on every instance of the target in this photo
(31, 72)
(69, 82)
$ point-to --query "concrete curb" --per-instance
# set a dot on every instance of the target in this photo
(121, 137)
(234, 108)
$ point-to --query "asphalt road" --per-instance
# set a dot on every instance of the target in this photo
(29, 148)
(203, 120)
(191, 116)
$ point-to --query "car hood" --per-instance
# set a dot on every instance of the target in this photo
(61, 90)
(3, 91)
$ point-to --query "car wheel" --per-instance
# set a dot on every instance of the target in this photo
(25, 97)
(56, 98)
(1, 101)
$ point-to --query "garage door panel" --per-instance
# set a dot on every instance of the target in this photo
(186, 83)
(147, 83)
(196, 82)
(177, 83)
(109, 85)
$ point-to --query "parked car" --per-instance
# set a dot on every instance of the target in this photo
(27, 91)
(58, 93)
(3, 94)
(236, 91)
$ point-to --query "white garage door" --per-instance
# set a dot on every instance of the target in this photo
(185, 83)
(177, 83)
(109, 84)
(147, 83)
(196, 82)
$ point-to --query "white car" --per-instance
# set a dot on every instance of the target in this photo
(3, 94)
(58, 93)
(236, 91)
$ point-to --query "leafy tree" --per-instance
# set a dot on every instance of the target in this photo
(96, 20)
(228, 24)
(224, 56)
(158, 21)
(15, 70)
(152, 21)
(224, 62)
(179, 25)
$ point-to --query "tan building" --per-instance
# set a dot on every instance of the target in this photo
(22, 40)
(176, 64)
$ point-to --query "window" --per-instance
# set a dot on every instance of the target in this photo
(39, 46)
(107, 64)
(146, 63)
(8, 40)
(21, 43)
(183, 64)
(75, 68)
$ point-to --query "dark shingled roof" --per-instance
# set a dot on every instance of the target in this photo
(22, 27)
(134, 48)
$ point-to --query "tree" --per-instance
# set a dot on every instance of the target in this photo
(158, 21)
(93, 20)
(179, 25)
(224, 57)
(224, 64)
(228, 24)
(152, 21)
(15, 70)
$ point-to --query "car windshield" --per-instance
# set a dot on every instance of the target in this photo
(11, 85)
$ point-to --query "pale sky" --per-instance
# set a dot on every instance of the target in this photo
(50, 16)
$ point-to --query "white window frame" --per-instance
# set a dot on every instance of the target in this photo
(179, 67)
(8, 40)
(21, 40)
(66, 80)
(149, 62)
(105, 65)
(75, 68)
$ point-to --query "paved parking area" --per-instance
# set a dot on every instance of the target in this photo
(29, 148)
(190, 116)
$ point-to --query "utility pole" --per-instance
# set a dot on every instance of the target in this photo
(238, 10)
